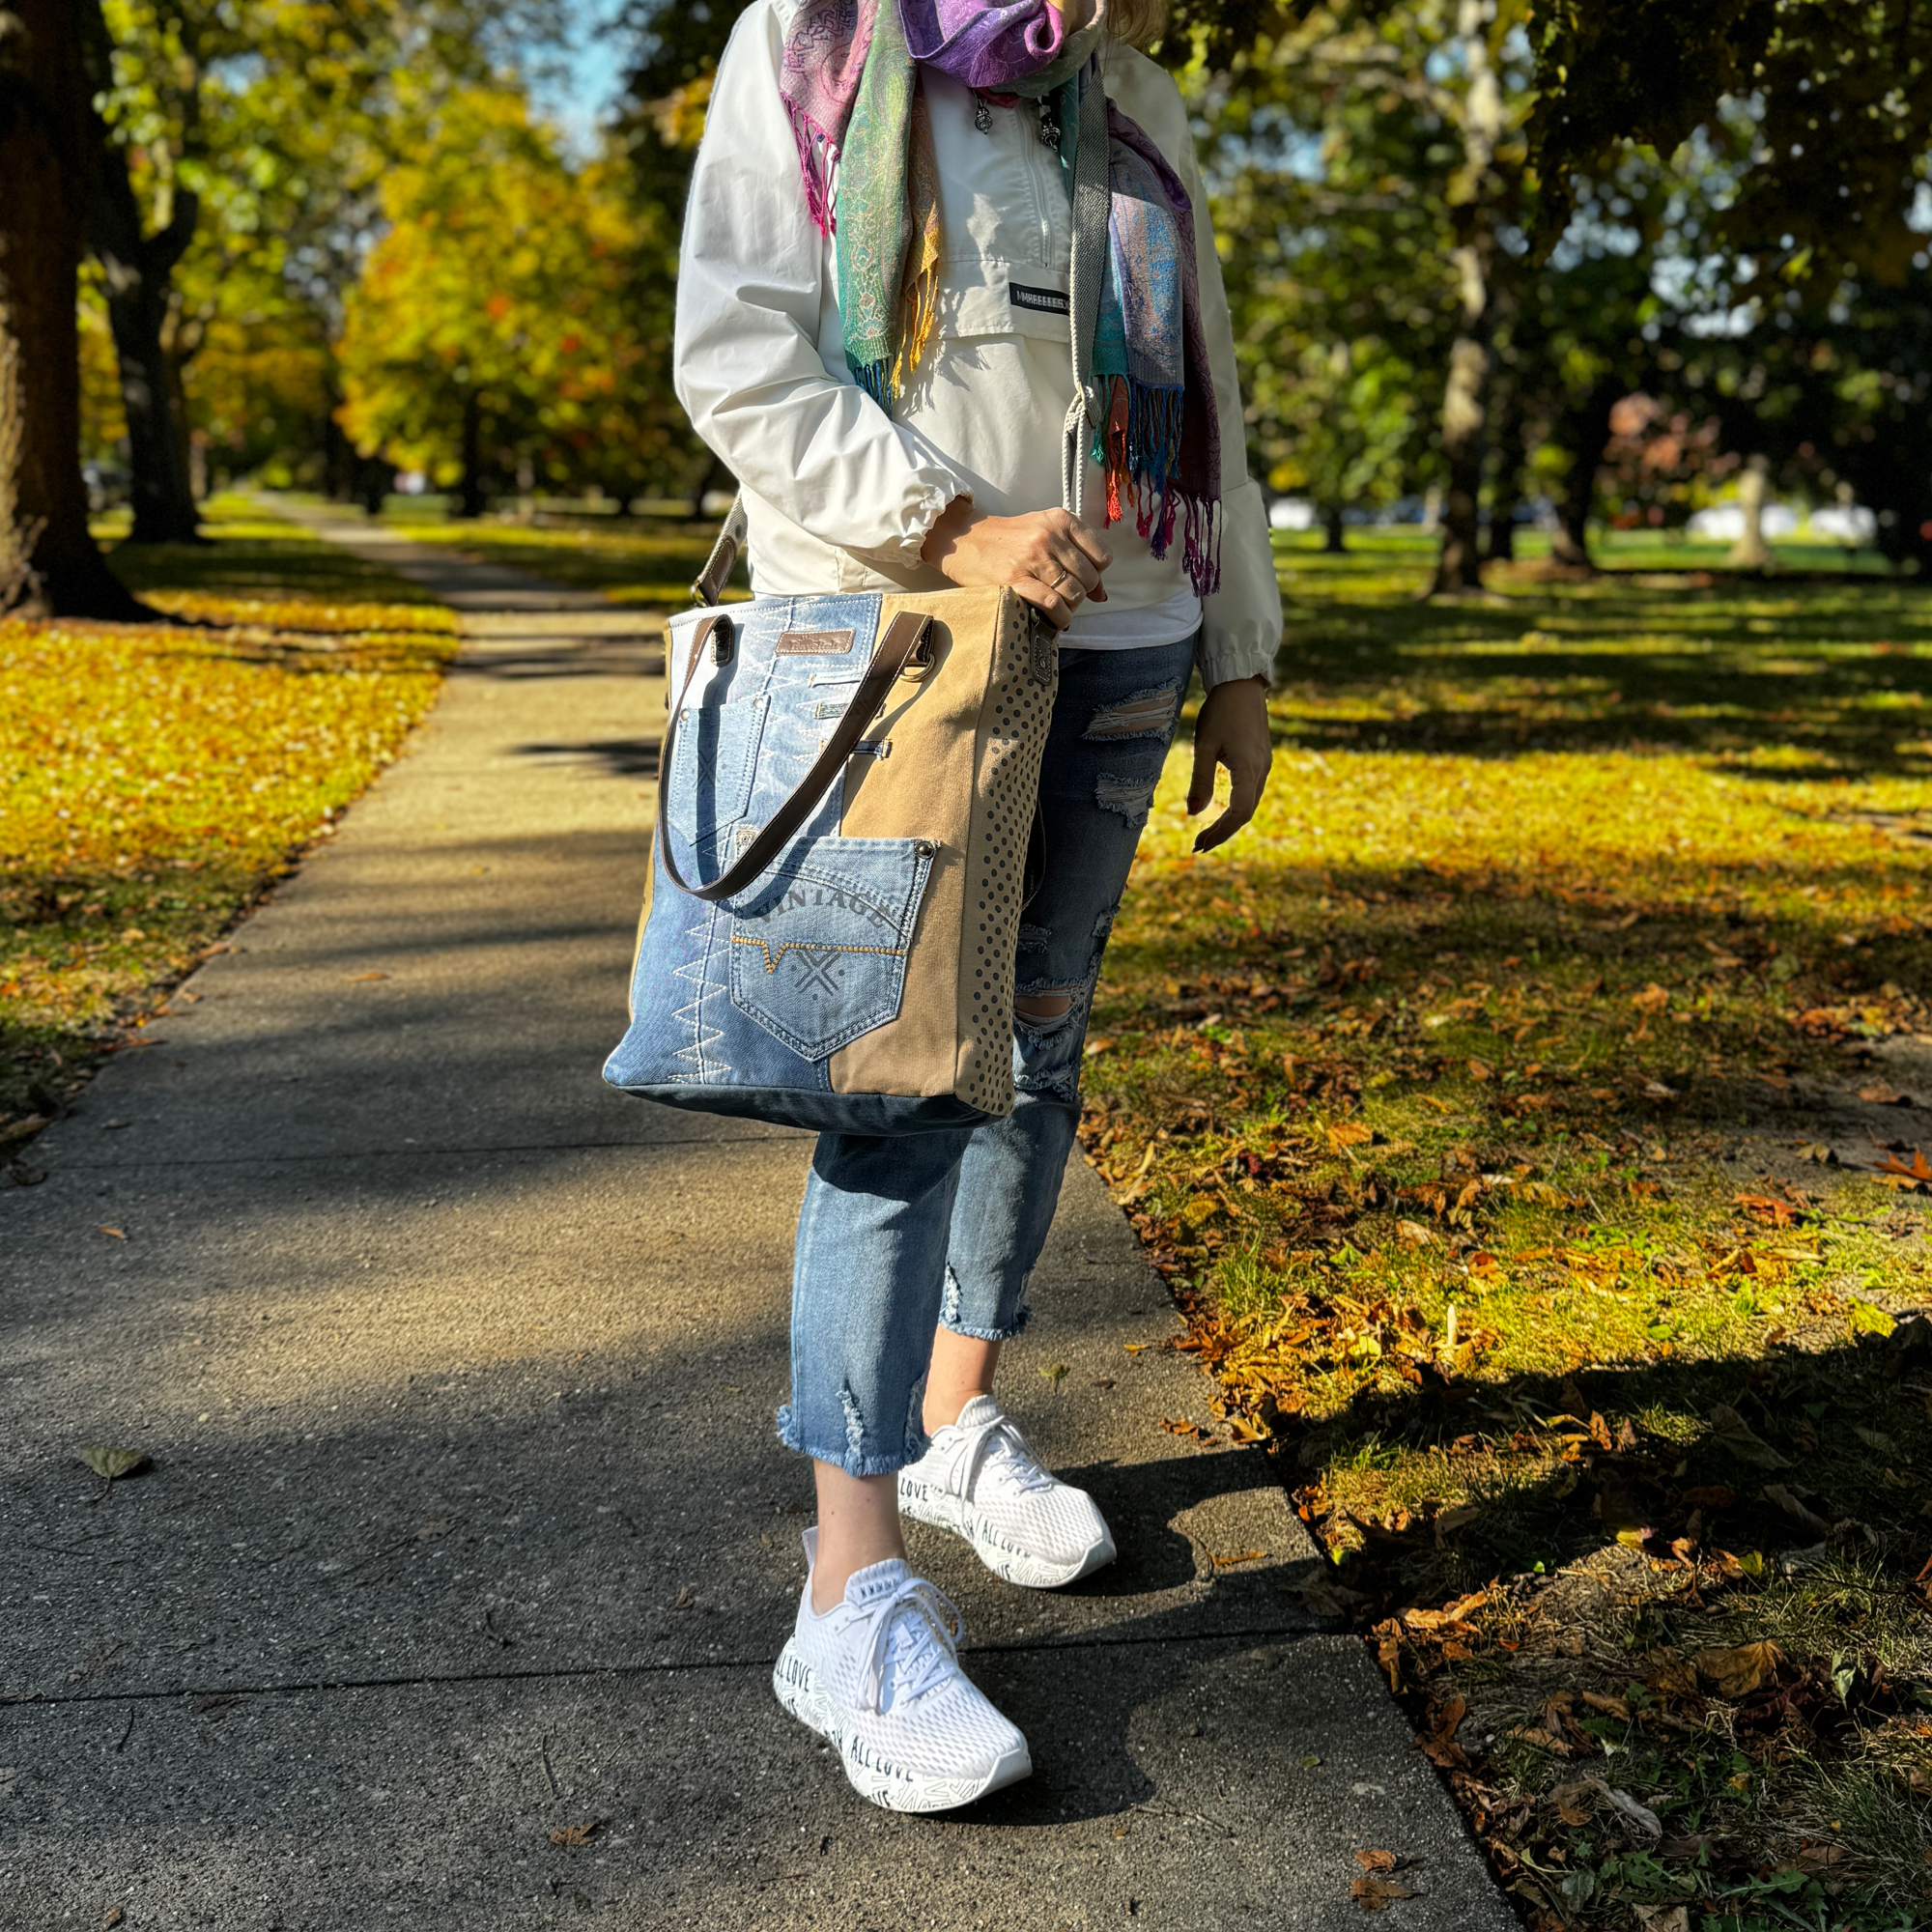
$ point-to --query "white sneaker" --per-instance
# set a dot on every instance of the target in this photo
(980, 1480)
(878, 1677)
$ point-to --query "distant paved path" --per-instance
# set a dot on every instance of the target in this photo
(467, 1520)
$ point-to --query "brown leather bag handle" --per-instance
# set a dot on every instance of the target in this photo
(709, 583)
(904, 635)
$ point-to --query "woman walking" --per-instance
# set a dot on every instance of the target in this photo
(872, 333)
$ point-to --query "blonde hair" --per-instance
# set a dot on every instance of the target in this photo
(1138, 22)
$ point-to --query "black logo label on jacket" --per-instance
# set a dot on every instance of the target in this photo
(1048, 302)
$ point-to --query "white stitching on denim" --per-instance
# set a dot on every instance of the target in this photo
(696, 975)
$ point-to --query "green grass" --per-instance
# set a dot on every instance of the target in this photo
(155, 779)
(1614, 551)
(644, 561)
(1492, 1106)
(251, 555)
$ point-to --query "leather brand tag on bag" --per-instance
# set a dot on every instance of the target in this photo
(813, 644)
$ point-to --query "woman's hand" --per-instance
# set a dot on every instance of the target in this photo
(1232, 730)
(1051, 560)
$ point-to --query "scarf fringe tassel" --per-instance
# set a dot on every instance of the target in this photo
(876, 379)
(816, 154)
(1139, 449)
(919, 321)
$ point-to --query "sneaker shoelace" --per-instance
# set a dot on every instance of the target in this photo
(915, 1640)
(997, 1448)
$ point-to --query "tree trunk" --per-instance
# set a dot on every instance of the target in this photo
(338, 457)
(1751, 551)
(46, 155)
(714, 472)
(373, 480)
(1333, 540)
(1506, 488)
(472, 490)
(1458, 565)
(1585, 433)
(136, 269)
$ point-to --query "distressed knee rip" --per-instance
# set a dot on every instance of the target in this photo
(1129, 797)
(1147, 714)
(1059, 1083)
(1044, 1011)
(915, 1437)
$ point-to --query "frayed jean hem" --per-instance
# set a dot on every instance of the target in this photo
(1016, 1328)
(843, 1457)
(952, 1304)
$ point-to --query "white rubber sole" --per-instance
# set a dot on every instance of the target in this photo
(1030, 1571)
(794, 1682)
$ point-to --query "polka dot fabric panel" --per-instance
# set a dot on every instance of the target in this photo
(1013, 735)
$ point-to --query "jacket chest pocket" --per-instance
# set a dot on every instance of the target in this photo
(819, 949)
(714, 767)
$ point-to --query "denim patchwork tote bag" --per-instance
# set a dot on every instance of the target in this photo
(845, 798)
(846, 809)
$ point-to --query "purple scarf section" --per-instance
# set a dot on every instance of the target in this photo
(1162, 435)
(982, 46)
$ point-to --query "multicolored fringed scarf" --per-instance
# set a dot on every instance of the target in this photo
(851, 86)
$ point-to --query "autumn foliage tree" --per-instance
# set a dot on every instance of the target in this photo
(516, 334)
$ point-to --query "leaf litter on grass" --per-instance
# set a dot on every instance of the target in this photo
(157, 779)
(1471, 1110)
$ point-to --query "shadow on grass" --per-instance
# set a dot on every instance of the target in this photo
(1828, 673)
(271, 569)
(1508, 1124)
(1667, 1578)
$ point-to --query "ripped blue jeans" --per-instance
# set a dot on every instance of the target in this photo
(900, 1234)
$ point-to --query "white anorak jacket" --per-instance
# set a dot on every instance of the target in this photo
(840, 495)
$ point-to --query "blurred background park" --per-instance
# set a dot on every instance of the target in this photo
(1533, 279)
(1526, 1112)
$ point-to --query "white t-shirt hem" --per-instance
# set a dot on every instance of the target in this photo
(1099, 627)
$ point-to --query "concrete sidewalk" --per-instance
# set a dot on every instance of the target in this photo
(467, 1522)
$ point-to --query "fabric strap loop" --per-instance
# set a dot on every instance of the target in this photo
(896, 650)
(1086, 271)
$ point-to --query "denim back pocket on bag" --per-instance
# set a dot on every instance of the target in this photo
(714, 765)
(819, 946)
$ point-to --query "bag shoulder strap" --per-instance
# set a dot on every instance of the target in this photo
(1086, 271)
(895, 651)
(709, 583)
